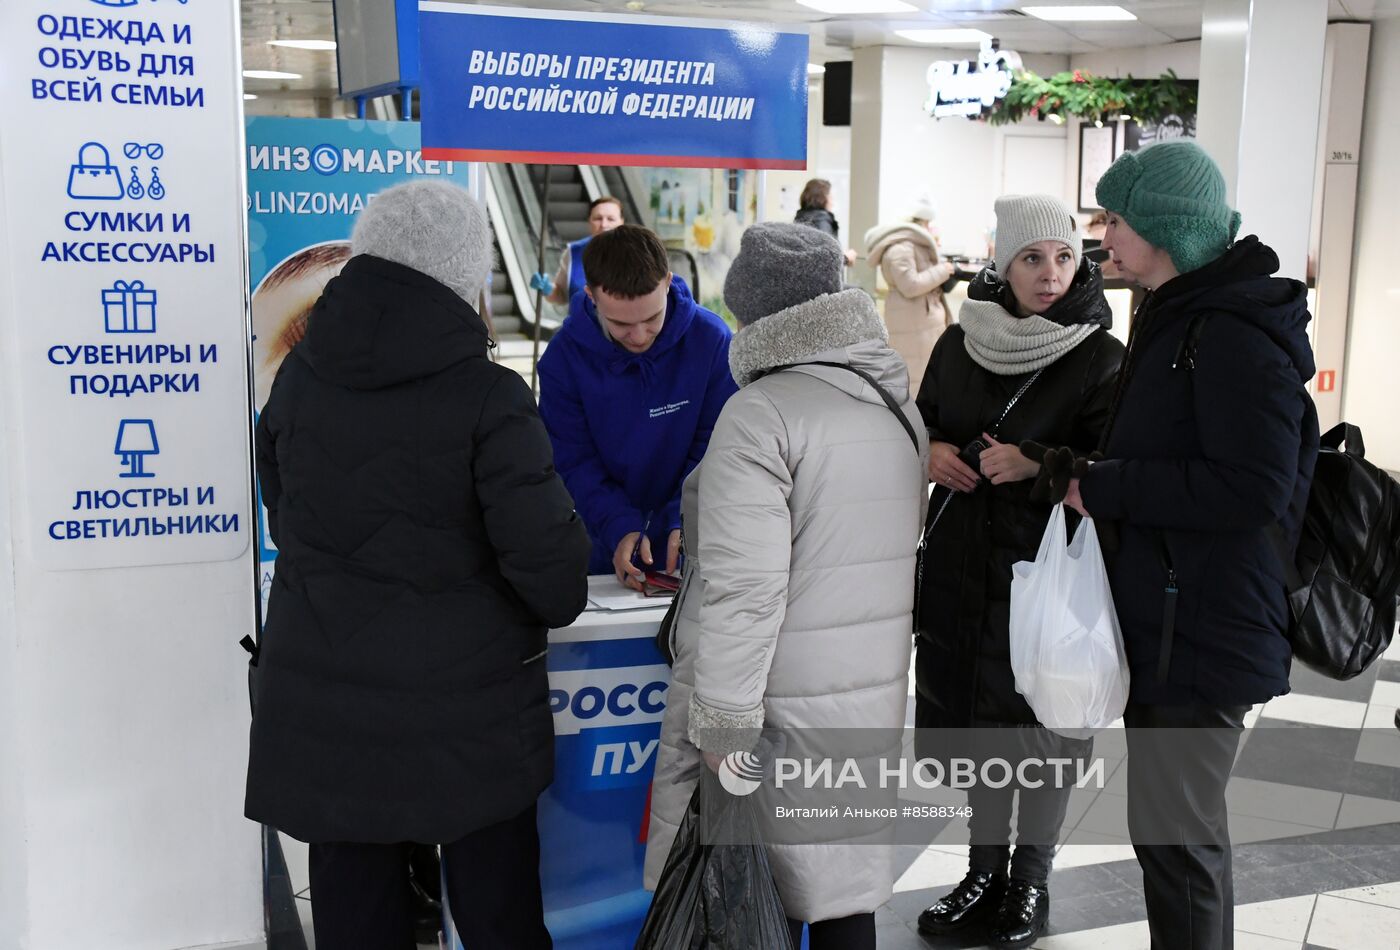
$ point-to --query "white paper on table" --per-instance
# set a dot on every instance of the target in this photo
(605, 593)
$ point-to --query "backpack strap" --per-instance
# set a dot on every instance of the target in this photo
(885, 396)
(1186, 352)
(1345, 433)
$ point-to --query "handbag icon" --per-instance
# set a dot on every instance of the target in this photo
(94, 180)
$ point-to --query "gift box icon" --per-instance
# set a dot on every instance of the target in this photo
(129, 308)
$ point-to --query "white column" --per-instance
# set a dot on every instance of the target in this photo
(125, 573)
(1261, 87)
(867, 134)
(1339, 150)
(1374, 334)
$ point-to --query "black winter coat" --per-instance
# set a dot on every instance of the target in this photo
(1202, 462)
(426, 545)
(963, 664)
(819, 218)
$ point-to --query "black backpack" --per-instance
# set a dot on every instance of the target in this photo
(1344, 576)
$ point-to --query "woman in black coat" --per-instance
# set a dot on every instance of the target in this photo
(426, 546)
(1032, 337)
(815, 211)
(1210, 453)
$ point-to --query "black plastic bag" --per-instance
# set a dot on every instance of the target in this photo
(716, 896)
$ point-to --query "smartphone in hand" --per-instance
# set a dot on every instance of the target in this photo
(660, 584)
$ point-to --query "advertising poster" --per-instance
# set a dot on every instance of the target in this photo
(126, 284)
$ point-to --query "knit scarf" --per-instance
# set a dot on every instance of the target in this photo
(1007, 345)
(1012, 346)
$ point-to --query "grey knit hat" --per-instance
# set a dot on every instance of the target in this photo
(1023, 220)
(780, 266)
(433, 227)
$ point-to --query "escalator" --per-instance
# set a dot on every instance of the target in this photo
(513, 194)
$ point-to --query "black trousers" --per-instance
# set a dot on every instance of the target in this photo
(856, 932)
(360, 892)
(1042, 813)
(1179, 762)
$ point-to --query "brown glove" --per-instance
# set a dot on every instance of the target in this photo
(1057, 467)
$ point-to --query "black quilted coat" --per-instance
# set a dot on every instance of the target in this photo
(963, 653)
(426, 546)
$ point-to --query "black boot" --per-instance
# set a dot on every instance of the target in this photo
(1022, 916)
(970, 903)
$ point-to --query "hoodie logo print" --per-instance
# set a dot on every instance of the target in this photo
(667, 409)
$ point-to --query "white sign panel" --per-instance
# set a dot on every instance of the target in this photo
(123, 283)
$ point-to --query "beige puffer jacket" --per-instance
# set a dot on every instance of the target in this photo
(915, 310)
(801, 526)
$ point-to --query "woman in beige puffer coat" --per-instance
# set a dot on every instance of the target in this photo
(915, 310)
(801, 526)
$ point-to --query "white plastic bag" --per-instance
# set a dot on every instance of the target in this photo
(1066, 648)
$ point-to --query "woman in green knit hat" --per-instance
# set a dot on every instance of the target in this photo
(1209, 454)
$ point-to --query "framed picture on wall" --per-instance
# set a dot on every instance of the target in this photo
(1097, 150)
(1139, 135)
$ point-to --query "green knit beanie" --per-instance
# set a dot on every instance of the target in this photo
(1173, 195)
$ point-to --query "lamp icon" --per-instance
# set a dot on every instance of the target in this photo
(136, 439)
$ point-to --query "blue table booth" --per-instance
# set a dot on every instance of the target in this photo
(608, 686)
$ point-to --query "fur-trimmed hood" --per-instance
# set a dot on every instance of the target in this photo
(825, 327)
(882, 237)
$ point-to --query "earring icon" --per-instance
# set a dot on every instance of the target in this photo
(157, 187)
(135, 189)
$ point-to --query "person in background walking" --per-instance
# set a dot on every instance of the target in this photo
(1030, 359)
(426, 546)
(915, 311)
(814, 210)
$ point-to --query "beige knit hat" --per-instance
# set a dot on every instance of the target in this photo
(1028, 219)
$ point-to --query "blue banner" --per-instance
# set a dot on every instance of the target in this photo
(515, 85)
(608, 697)
(307, 180)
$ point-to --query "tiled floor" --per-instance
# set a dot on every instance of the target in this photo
(1314, 811)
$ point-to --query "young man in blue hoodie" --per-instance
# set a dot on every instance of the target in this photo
(630, 389)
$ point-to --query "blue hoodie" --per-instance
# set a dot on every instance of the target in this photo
(627, 428)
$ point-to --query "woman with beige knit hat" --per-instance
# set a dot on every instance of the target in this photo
(1030, 359)
(915, 310)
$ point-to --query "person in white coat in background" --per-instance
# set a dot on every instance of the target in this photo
(796, 607)
(915, 312)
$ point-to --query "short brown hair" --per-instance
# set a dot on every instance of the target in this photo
(628, 261)
(815, 193)
(606, 200)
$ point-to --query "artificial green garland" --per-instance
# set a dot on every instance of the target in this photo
(1093, 98)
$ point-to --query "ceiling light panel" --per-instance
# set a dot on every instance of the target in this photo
(946, 37)
(1079, 14)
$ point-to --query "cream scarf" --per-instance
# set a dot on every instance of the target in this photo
(1012, 346)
